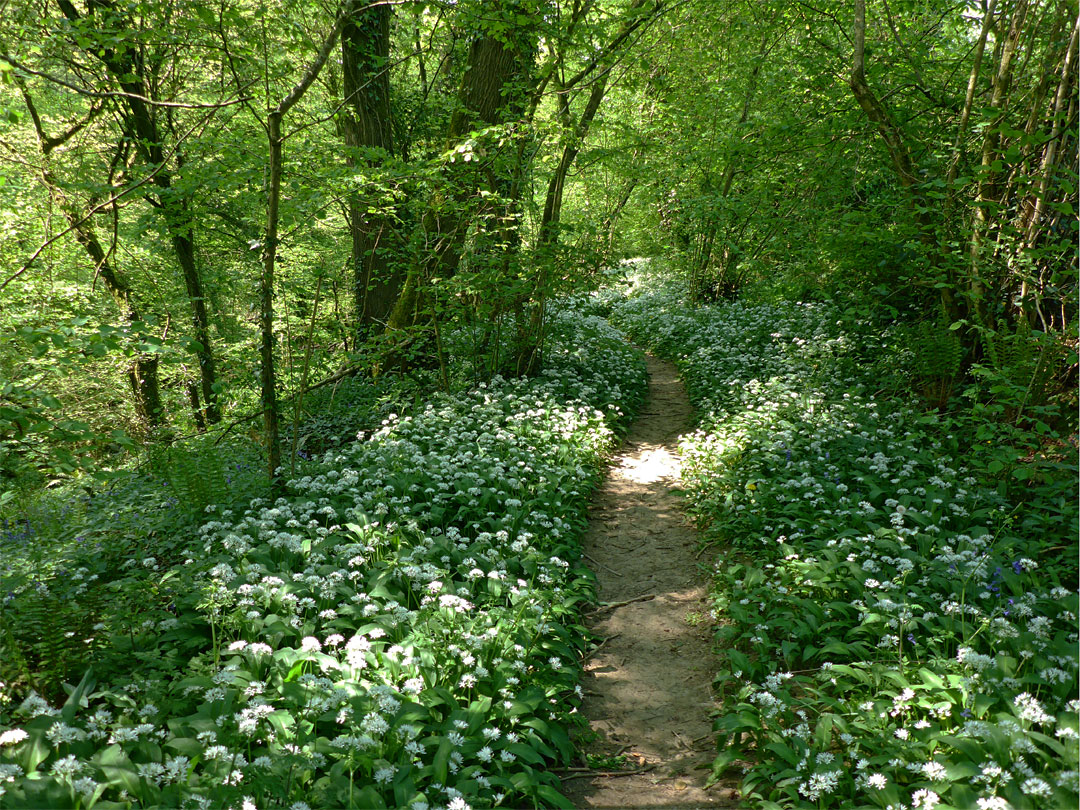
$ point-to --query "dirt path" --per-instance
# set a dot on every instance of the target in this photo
(647, 695)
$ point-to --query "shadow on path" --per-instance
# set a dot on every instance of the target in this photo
(647, 688)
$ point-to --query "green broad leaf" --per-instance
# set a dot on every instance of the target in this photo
(295, 671)
(836, 646)
(1049, 742)
(970, 748)
(206, 15)
(34, 751)
(112, 755)
(931, 678)
(368, 797)
(441, 762)
(553, 798)
(961, 771)
(823, 732)
(123, 777)
(739, 663)
(961, 795)
(525, 753)
(790, 756)
(720, 766)
(77, 698)
(283, 723)
(188, 746)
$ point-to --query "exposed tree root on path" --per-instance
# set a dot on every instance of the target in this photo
(648, 697)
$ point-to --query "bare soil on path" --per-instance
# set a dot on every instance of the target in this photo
(647, 686)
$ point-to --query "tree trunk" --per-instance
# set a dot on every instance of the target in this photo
(875, 110)
(268, 383)
(612, 218)
(549, 221)
(366, 124)
(1035, 207)
(495, 89)
(184, 247)
(988, 192)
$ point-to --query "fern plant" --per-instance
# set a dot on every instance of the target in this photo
(48, 637)
(937, 354)
(1023, 364)
(200, 473)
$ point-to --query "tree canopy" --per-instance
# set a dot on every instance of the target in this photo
(192, 192)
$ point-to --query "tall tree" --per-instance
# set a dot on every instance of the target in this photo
(102, 36)
(274, 117)
(493, 96)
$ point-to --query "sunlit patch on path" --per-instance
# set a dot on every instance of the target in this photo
(647, 699)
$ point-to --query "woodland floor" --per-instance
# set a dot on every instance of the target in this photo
(647, 687)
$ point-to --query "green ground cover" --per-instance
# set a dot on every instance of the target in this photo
(896, 598)
(401, 630)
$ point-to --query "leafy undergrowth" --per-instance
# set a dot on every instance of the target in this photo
(400, 631)
(900, 631)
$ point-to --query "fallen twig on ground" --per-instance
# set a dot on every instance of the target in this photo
(613, 605)
(599, 646)
(597, 562)
(605, 774)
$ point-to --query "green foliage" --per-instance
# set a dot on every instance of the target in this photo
(936, 354)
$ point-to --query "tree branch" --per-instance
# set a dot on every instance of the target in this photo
(97, 94)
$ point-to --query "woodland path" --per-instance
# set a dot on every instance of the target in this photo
(647, 687)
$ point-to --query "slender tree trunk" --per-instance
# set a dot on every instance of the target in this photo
(184, 247)
(549, 221)
(128, 72)
(267, 377)
(612, 218)
(267, 380)
(1059, 135)
(965, 113)
(1036, 206)
(988, 193)
(530, 337)
(950, 305)
(143, 372)
(875, 110)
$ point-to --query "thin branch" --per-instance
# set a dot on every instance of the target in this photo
(97, 208)
(110, 94)
(646, 18)
(316, 64)
(612, 605)
(49, 143)
(841, 27)
(606, 774)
